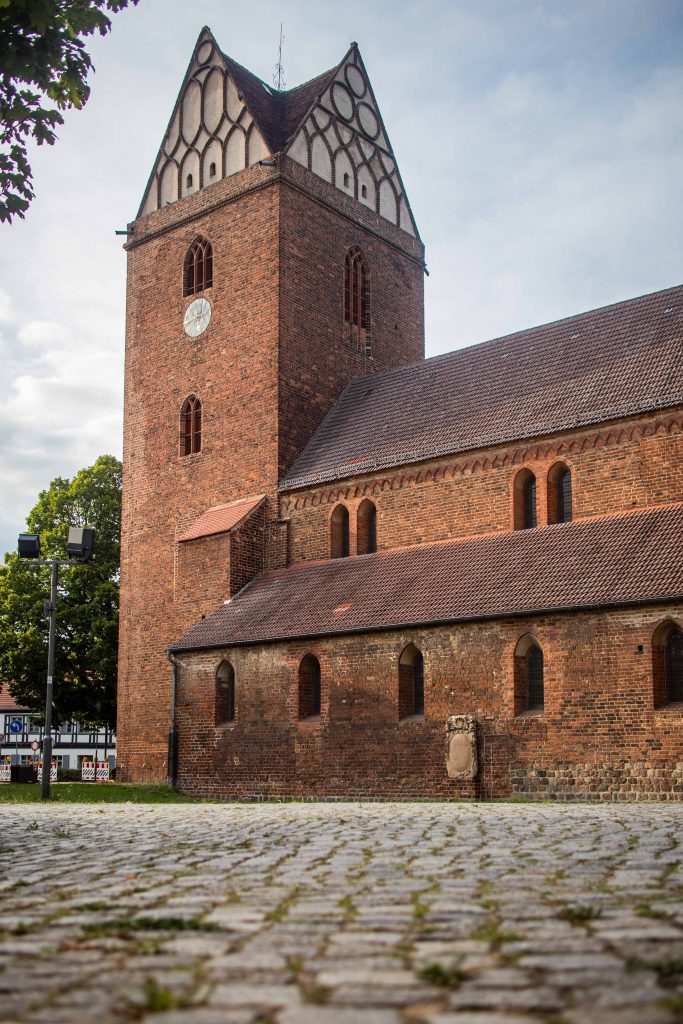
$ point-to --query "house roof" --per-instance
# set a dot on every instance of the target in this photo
(632, 557)
(611, 362)
(7, 702)
(222, 518)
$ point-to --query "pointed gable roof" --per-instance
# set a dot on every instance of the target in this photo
(226, 119)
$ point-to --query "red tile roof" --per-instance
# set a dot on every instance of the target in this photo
(603, 365)
(629, 558)
(7, 701)
(222, 518)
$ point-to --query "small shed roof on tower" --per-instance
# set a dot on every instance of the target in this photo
(226, 119)
(617, 361)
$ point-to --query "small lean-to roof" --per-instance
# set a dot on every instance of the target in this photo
(7, 702)
(629, 558)
(612, 362)
(222, 518)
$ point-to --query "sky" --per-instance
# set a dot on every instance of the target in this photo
(540, 143)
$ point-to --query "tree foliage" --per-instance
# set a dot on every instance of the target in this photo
(43, 70)
(87, 608)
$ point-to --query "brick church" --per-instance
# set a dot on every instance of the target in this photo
(348, 570)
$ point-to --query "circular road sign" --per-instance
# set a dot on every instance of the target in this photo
(16, 725)
(35, 745)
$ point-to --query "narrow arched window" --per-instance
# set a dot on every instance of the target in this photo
(212, 170)
(225, 693)
(188, 182)
(191, 426)
(524, 498)
(357, 300)
(366, 531)
(198, 268)
(560, 494)
(411, 694)
(667, 664)
(339, 532)
(309, 687)
(529, 686)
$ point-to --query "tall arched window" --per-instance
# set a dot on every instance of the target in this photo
(198, 269)
(525, 500)
(357, 300)
(667, 664)
(309, 687)
(366, 531)
(225, 693)
(191, 426)
(560, 494)
(339, 532)
(411, 692)
(529, 686)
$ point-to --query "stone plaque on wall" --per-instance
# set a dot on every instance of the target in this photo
(461, 747)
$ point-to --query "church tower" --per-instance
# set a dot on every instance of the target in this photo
(273, 259)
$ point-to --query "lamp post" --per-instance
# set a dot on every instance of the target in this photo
(79, 546)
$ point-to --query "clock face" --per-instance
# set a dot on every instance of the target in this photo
(197, 317)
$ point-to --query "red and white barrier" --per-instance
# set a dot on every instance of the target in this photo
(102, 773)
(87, 771)
(53, 771)
(5, 771)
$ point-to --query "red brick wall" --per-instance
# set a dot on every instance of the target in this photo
(268, 367)
(599, 735)
(316, 360)
(473, 493)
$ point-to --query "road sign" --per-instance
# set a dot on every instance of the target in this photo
(16, 725)
(35, 745)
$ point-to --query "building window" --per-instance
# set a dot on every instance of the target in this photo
(667, 664)
(188, 181)
(357, 301)
(309, 687)
(347, 181)
(524, 499)
(411, 693)
(212, 170)
(339, 532)
(198, 268)
(366, 532)
(225, 693)
(191, 426)
(560, 494)
(364, 191)
(529, 689)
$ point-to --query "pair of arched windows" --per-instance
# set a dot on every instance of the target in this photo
(357, 300)
(559, 497)
(191, 426)
(366, 530)
(198, 267)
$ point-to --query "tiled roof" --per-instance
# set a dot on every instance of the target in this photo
(611, 362)
(7, 701)
(222, 518)
(277, 114)
(622, 559)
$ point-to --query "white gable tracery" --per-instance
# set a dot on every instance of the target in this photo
(211, 136)
(343, 141)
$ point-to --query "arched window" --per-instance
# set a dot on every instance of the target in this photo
(225, 693)
(525, 500)
(357, 300)
(198, 269)
(529, 689)
(560, 494)
(667, 664)
(366, 532)
(411, 690)
(191, 426)
(339, 532)
(309, 687)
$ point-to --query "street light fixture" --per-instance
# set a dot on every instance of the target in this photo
(79, 546)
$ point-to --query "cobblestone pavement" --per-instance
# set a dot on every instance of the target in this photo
(342, 913)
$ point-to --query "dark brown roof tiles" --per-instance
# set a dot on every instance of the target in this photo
(629, 558)
(612, 362)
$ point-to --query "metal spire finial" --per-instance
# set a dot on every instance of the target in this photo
(279, 73)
